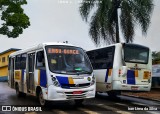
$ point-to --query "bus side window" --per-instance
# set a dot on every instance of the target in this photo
(91, 56)
(40, 61)
(102, 58)
(23, 61)
(17, 62)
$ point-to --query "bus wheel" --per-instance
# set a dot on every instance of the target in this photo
(78, 102)
(42, 101)
(113, 94)
(18, 93)
(24, 94)
(96, 94)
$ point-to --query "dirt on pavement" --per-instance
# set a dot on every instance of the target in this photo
(153, 94)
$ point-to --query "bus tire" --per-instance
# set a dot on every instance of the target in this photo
(96, 94)
(18, 93)
(78, 102)
(113, 94)
(42, 101)
(24, 94)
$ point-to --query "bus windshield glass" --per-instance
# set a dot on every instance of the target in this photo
(68, 60)
(136, 53)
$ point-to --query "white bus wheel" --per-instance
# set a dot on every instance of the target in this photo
(42, 101)
(113, 94)
(18, 93)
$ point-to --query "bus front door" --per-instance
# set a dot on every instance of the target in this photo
(12, 72)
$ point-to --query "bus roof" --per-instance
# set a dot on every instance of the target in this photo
(106, 46)
(39, 46)
(118, 44)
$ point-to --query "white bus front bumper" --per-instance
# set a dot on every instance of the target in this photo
(58, 93)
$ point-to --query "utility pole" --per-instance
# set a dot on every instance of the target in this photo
(117, 5)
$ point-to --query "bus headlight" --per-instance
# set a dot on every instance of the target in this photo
(149, 80)
(53, 79)
(93, 77)
(93, 80)
(55, 82)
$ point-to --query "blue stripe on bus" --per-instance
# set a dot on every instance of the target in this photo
(62, 80)
(43, 78)
(22, 75)
(130, 77)
(106, 78)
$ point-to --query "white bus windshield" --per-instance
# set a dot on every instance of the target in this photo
(136, 53)
(68, 60)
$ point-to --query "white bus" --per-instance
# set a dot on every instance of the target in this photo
(122, 67)
(52, 72)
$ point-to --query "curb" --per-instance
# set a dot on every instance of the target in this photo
(141, 97)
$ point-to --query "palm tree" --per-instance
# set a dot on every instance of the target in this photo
(104, 25)
(155, 57)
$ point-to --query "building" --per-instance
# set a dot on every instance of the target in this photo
(4, 58)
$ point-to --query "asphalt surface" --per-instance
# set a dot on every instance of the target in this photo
(102, 104)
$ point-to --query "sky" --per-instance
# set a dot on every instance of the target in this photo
(57, 21)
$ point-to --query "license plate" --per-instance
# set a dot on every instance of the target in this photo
(134, 88)
(146, 75)
(77, 92)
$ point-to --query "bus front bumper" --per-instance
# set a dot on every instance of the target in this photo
(117, 85)
(58, 93)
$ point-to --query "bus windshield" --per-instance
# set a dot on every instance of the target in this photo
(136, 53)
(68, 60)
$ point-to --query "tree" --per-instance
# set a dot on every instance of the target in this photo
(104, 24)
(155, 57)
(13, 17)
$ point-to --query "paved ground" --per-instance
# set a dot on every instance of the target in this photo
(154, 94)
(100, 105)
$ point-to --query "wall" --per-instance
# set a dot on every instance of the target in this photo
(4, 66)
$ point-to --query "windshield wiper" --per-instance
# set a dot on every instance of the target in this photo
(72, 72)
(79, 72)
(85, 71)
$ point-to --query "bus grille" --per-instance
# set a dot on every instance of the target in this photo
(70, 95)
(68, 86)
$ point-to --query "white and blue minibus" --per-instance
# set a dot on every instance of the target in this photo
(52, 72)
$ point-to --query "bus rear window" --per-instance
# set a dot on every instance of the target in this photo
(136, 54)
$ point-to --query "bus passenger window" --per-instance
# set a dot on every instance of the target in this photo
(23, 61)
(102, 58)
(17, 62)
(40, 62)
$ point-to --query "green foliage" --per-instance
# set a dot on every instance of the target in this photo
(15, 20)
(155, 57)
(104, 14)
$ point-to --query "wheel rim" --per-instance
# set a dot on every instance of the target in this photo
(41, 99)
